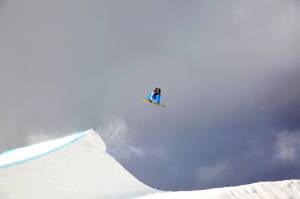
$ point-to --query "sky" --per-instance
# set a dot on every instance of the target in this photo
(229, 73)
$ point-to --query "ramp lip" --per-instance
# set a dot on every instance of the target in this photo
(21, 155)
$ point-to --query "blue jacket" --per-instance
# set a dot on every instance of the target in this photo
(154, 97)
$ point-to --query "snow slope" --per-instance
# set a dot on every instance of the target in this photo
(74, 167)
(289, 189)
(78, 167)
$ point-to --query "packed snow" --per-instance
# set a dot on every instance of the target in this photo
(78, 166)
(74, 167)
(20, 155)
(289, 189)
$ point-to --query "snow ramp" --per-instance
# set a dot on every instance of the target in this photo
(78, 167)
(73, 167)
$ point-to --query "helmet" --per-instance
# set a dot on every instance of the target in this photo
(157, 90)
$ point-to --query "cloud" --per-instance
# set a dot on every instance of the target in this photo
(37, 135)
(137, 151)
(213, 173)
(160, 153)
(117, 136)
(287, 146)
(34, 138)
(115, 132)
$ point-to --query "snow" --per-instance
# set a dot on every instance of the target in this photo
(78, 166)
(21, 155)
(74, 167)
(289, 189)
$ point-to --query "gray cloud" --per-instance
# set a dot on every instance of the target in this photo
(212, 173)
(229, 72)
(287, 146)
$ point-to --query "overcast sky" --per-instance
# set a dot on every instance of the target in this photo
(229, 73)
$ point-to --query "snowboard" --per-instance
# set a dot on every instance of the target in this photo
(154, 103)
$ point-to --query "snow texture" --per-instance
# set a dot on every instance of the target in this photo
(289, 189)
(78, 166)
(74, 167)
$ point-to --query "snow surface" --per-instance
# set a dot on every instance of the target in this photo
(289, 189)
(21, 155)
(74, 167)
(78, 167)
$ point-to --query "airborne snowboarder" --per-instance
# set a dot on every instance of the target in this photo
(154, 97)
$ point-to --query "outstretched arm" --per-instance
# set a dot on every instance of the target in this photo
(151, 96)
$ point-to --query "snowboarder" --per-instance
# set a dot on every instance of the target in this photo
(154, 96)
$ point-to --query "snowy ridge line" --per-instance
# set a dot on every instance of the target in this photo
(24, 154)
(287, 189)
